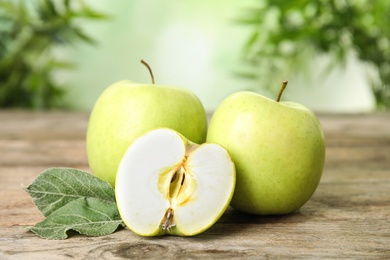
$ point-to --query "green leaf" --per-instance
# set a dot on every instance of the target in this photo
(56, 187)
(76, 200)
(29, 34)
(88, 216)
(335, 28)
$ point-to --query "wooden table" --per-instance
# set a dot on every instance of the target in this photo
(348, 216)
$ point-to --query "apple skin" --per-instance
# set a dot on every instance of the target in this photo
(278, 149)
(126, 110)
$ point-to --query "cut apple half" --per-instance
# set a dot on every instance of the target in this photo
(169, 185)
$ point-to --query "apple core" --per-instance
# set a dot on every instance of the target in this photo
(179, 190)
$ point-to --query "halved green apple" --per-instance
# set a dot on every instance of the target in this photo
(168, 185)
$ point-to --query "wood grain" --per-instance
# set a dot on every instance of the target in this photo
(348, 217)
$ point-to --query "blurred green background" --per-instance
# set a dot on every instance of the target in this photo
(63, 54)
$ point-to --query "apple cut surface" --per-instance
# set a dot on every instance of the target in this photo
(169, 185)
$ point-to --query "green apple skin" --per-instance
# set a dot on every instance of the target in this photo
(278, 149)
(126, 110)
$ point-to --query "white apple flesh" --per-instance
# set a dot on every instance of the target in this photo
(169, 185)
(278, 150)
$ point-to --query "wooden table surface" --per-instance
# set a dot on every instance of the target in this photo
(348, 217)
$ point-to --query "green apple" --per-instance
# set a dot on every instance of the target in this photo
(167, 184)
(126, 110)
(278, 149)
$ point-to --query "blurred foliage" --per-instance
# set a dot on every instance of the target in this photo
(287, 34)
(30, 34)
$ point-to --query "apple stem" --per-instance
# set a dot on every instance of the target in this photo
(284, 84)
(150, 70)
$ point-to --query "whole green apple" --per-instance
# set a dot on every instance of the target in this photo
(126, 110)
(278, 149)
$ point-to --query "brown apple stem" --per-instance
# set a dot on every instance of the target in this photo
(150, 70)
(284, 84)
